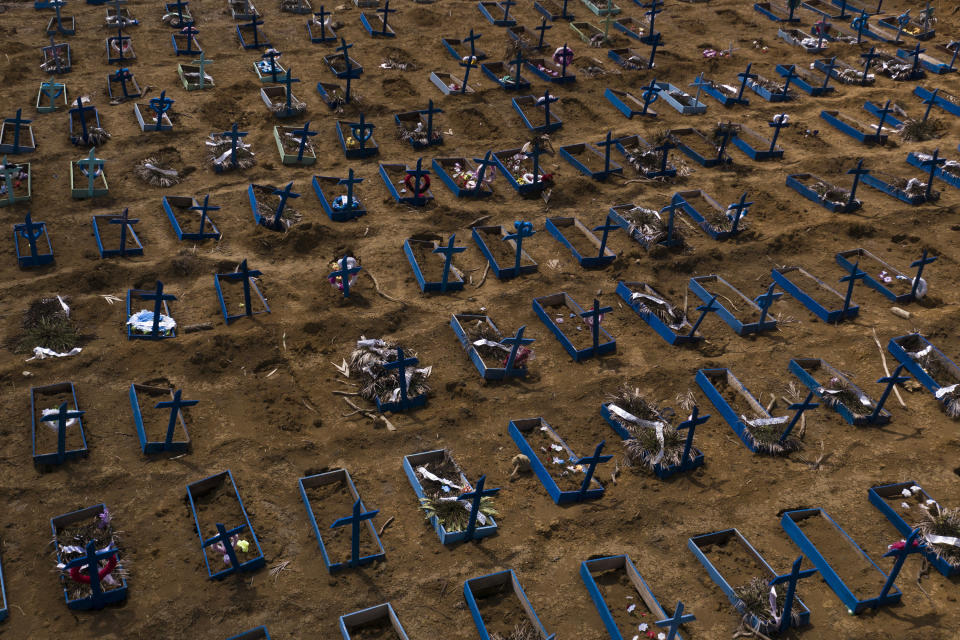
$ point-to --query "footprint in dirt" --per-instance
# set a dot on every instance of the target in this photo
(398, 88)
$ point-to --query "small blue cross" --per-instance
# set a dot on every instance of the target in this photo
(704, 310)
(829, 66)
(201, 64)
(17, 122)
(664, 150)
(175, 406)
(158, 297)
(745, 77)
(891, 382)
(429, 112)
(934, 162)
(122, 76)
(543, 30)
(52, 90)
(673, 622)
(344, 48)
(386, 10)
(244, 274)
(271, 55)
(956, 51)
(119, 39)
(304, 133)
(903, 20)
(700, 83)
(191, 34)
(592, 462)
(518, 65)
(92, 562)
(854, 275)
(778, 122)
(924, 260)
(345, 272)
(655, 40)
(860, 24)
(932, 100)
(725, 134)
(285, 194)
(253, 25)
(766, 300)
(545, 102)
(650, 94)
(791, 579)
(288, 80)
(565, 58)
(361, 131)
(789, 77)
(534, 154)
(448, 251)
(676, 202)
(125, 223)
(607, 144)
(180, 5)
(691, 424)
(321, 17)
(912, 545)
(234, 134)
(204, 209)
(475, 496)
(883, 113)
(223, 536)
(916, 59)
(515, 342)
(418, 188)
(401, 364)
(93, 164)
(61, 417)
(523, 230)
(655, 8)
(868, 60)
(482, 163)
(8, 171)
(739, 209)
(606, 228)
(29, 230)
(800, 408)
(160, 106)
(856, 172)
(349, 181)
(54, 54)
(594, 315)
(505, 5)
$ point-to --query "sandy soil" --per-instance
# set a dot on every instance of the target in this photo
(266, 410)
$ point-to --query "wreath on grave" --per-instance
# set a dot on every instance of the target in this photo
(159, 169)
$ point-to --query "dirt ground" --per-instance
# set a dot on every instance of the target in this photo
(266, 409)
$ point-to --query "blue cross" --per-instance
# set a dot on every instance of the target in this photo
(860, 24)
(9, 171)
(401, 364)
(822, 28)
(361, 131)
(125, 224)
(606, 228)
(543, 31)
(57, 5)
(223, 536)
(30, 231)
(843, 9)
(505, 5)
(868, 60)
(607, 144)
(471, 40)
(745, 77)
(766, 301)
(486, 161)
(675, 203)
(902, 21)
(16, 121)
(254, 23)
(349, 181)
(704, 310)
(418, 175)
(523, 230)
(932, 100)
(60, 417)
(305, 135)
(854, 275)
(344, 273)
(160, 106)
(924, 260)
(92, 164)
(545, 102)
(700, 83)
(518, 64)
(354, 520)
(119, 39)
(655, 8)
(204, 209)
(285, 194)
(791, 579)
(779, 122)
(201, 64)
(447, 252)
(321, 17)
(829, 66)
(53, 53)
(92, 561)
(475, 496)
(901, 556)
(655, 40)
(691, 424)
(956, 51)
(739, 209)
(891, 381)
(429, 111)
(158, 297)
(180, 5)
(934, 162)
(122, 76)
(594, 315)
(789, 77)
(244, 274)
(564, 58)
(468, 64)
(288, 80)
(234, 134)
(385, 11)
(592, 462)
(344, 48)
(52, 90)
(800, 408)
(916, 59)
(650, 94)
(883, 113)
(175, 406)
(534, 154)
(673, 622)
(272, 55)
(565, 16)
(856, 172)
(191, 35)
(664, 150)
(515, 342)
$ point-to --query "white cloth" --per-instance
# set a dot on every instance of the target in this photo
(39, 353)
(143, 321)
(658, 426)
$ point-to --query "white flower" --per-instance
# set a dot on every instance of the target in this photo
(643, 627)
(904, 505)
(631, 608)
(931, 502)
(916, 489)
(906, 493)
(661, 636)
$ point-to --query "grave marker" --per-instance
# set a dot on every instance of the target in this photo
(354, 520)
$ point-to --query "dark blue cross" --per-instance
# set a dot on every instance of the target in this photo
(655, 40)
(244, 274)
(534, 154)
(664, 149)
(822, 28)
(564, 60)
(843, 9)
(791, 579)
(745, 77)
(92, 561)
(565, 16)
(321, 17)
(471, 40)
(704, 310)
(203, 209)
(349, 181)
(92, 164)
(125, 223)
(779, 122)
(956, 51)
(902, 21)
(924, 260)
(191, 35)
(254, 23)
(57, 5)
(789, 77)
(676, 202)
(860, 24)
(158, 297)
(60, 417)
(447, 252)
(800, 408)
(607, 144)
(17, 122)
(594, 316)
(891, 382)
(119, 40)
(911, 546)
(285, 194)
(385, 11)
(650, 94)
(690, 424)
(829, 66)
(523, 230)
(673, 622)
(344, 48)
(468, 63)
(223, 536)
(856, 172)
(361, 131)
(305, 135)
(160, 106)
(545, 103)
(592, 461)
(883, 113)
(518, 64)
(475, 496)
(418, 175)
(932, 100)
(201, 64)
(429, 111)
(54, 55)
(739, 209)
(28, 229)
(868, 60)
(700, 83)
(725, 134)
(272, 55)
(122, 76)
(486, 161)
(515, 342)
(179, 5)
(766, 300)
(288, 80)
(606, 228)
(401, 364)
(505, 5)
(344, 273)
(854, 275)
(354, 520)
(234, 134)
(655, 8)
(916, 59)
(543, 31)
(934, 162)
(8, 172)
(175, 406)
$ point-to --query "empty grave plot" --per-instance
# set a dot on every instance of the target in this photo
(219, 505)
(556, 458)
(504, 252)
(856, 571)
(502, 612)
(430, 263)
(381, 629)
(267, 204)
(233, 298)
(330, 502)
(577, 235)
(47, 401)
(623, 600)
(575, 328)
(823, 293)
(738, 302)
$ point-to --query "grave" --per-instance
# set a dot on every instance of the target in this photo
(886, 279)
(933, 63)
(816, 295)
(150, 325)
(342, 207)
(268, 69)
(120, 48)
(828, 195)
(120, 16)
(28, 239)
(588, 250)
(631, 27)
(378, 27)
(479, 336)
(250, 35)
(942, 168)
(646, 159)
(719, 222)
(930, 367)
(550, 70)
(294, 145)
(590, 33)
(778, 10)
(280, 99)
(913, 191)
(430, 276)
(461, 49)
(559, 308)
(629, 105)
(757, 146)
(179, 210)
(843, 72)
(85, 121)
(334, 494)
(160, 121)
(129, 242)
(464, 178)
(56, 424)
(76, 562)
(838, 392)
(54, 94)
(213, 501)
(269, 213)
(502, 248)
(246, 278)
(321, 21)
(802, 39)
(758, 321)
(167, 413)
(449, 84)
(177, 14)
(708, 152)
(771, 90)
(194, 76)
(60, 24)
(91, 170)
(806, 81)
(507, 75)
(56, 58)
(342, 64)
(332, 95)
(726, 94)
(655, 309)
(15, 182)
(400, 179)
(522, 169)
(16, 135)
(127, 82)
(590, 161)
(553, 10)
(416, 127)
(382, 616)
(497, 13)
(941, 98)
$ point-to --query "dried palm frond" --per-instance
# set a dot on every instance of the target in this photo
(279, 107)
(754, 598)
(158, 171)
(766, 438)
(522, 631)
(367, 363)
(454, 515)
(634, 402)
(946, 523)
(643, 446)
(839, 392)
(219, 152)
(96, 136)
(920, 130)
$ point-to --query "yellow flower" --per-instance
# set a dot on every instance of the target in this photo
(243, 545)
